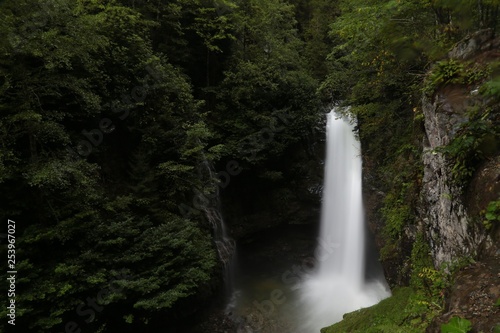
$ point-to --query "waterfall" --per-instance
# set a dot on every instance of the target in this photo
(338, 285)
(226, 246)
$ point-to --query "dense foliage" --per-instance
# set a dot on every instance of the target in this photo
(111, 112)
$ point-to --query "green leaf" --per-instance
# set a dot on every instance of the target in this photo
(456, 325)
(491, 216)
(129, 319)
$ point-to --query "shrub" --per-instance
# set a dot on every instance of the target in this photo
(456, 325)
(491, 214)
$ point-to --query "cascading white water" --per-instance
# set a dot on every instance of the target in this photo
(211, 206)
(224, 244)
(338, 285)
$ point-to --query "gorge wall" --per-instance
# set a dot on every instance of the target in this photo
(430, 202)
(442, 210)
(452, 225)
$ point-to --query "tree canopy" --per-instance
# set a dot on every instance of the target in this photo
(109, 113)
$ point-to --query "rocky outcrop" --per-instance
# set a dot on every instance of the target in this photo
(443, 211)
(480, 41)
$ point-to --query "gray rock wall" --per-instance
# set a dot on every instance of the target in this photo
(443, 213)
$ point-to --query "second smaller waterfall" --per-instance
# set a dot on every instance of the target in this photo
(211, 207)
(225, 245)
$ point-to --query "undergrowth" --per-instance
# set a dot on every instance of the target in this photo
(410, 309)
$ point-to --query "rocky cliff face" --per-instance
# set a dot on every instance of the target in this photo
(444, 211)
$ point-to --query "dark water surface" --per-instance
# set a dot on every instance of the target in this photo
(269, 270)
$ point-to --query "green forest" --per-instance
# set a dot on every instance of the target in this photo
(123, 121)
